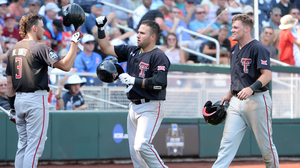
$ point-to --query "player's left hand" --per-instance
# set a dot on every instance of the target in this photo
(245, 93)
(12, 115)
(127, 79)
(76, 36)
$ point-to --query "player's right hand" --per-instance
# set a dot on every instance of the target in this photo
(100, 22)
(76, 36)
(12, 115)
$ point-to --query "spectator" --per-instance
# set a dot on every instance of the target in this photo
(96, 11)
(156, 4)
(265, 38)
(188, 11)
(140, 12)
(233, 8)
(168, 4)
(87, 60)
(10, 31)
(74, 95)
(223, 19)
(284, 6)
(286, 39)
(176, 26)
(42, 8)
(275, 16)
(201, 25)
(51, 11)
(2, 43)
(122, 16)
(275, 38)
(3, 94)
(248, 10)
(34, 6)
(3, 9)
(54, 33)
(210, 8)
(115, 36)
(16, 8)
(210, 46)
(172, 50)
(134, 4)
(295, 12)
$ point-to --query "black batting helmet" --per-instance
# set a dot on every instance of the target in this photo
(109, 70)
(73, 14)
(215, 114)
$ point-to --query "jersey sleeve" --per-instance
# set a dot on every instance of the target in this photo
(160, 62)
(123, 51)
(44, 54)
(262, 57)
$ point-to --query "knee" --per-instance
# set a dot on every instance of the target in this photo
(139, 147)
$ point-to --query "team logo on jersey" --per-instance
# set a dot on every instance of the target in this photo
(161, 68)
(143, 67)
(264, 62)
(175, 140)
(132, 54)
(246, 62)
(53, 55)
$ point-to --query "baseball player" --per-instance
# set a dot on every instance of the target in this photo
(27, 82)
(250, 101)
(147, 68)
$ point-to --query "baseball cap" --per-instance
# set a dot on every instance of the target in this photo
(52, 6)
(9, 16)
(58, 24)
(97, 2)
(248, 9)
(30, 2)
(3, 2)
(87, 37)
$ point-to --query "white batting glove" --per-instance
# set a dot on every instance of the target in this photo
(76, 36)
(126, 79)
(100, 22)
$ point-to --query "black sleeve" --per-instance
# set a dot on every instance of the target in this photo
(123, 51)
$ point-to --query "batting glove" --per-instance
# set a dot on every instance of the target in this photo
(76, 36)
(127, 79)
(12, 115)
(100, 22)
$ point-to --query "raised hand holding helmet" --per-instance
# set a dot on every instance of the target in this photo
(76, 36)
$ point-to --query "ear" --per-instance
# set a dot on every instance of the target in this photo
(153, 37)
(34, 28)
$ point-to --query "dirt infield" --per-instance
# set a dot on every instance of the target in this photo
(202, 164)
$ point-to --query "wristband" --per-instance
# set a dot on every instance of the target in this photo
(11, 101)
(256, 85)
(101, 34)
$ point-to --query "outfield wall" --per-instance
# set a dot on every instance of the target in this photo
(103, 135)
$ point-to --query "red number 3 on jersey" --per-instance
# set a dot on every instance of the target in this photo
(19, 67)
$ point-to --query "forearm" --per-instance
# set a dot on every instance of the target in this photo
(10, 90)
(82, 107)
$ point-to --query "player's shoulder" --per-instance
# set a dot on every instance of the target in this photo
(38, 46)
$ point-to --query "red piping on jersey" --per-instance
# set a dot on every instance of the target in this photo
(269, 130)
(152, 134)
(41, 132)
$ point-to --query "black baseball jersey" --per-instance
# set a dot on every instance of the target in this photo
(28, 63)
(143, 65)
(245, 65)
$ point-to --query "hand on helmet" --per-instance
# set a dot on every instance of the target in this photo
(76, 36)
(100, 22)
(127, 79)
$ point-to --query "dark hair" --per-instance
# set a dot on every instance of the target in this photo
(27, 22)
(245, 19)
(154, 27)
(220, 10)
(294, 7)
(267, 27)
(166, 39)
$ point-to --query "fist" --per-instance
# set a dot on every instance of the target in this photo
(100, 22)
(127, 79)
(76, 36)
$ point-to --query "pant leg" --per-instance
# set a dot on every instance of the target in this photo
(150, 116)
(21, 128)
(233, 134)
(260, 123)
(136, 158)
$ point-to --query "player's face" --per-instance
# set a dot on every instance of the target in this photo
(238, 30)
(40, 30)
(74, 89)
(144, 36)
